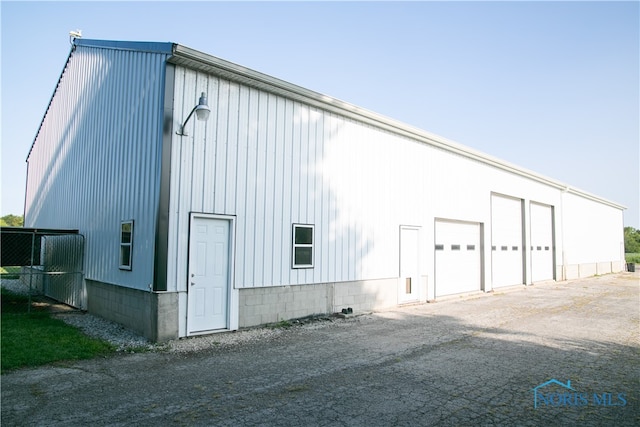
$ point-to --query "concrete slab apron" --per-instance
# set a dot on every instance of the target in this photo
(471, 361)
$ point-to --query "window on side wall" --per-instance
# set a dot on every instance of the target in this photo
(126, 244)
(302, 246)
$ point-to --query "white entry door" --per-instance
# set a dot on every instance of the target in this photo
(208, 285)
(408, 286)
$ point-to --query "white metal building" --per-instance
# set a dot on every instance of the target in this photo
(284, 202)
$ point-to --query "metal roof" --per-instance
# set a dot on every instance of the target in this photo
(152, 47)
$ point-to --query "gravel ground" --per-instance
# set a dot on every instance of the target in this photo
(465, 361)
(127, 341)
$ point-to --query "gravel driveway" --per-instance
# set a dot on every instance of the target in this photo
(551, 354)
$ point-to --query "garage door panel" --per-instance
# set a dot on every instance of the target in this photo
(507, 266)
(458, 257)
(542, 265)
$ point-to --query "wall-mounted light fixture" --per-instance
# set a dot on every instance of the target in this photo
(202, 111)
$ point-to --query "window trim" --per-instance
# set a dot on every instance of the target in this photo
(295, 245)
(123, 244)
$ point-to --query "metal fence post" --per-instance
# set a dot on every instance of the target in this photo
(33, 243)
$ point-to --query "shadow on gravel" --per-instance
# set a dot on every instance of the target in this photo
(399, 368)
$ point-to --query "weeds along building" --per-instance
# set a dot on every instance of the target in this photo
(283, 202)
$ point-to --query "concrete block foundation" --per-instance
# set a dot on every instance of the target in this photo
(273, 304)
(153, 315)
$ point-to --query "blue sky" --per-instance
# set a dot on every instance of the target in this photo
(549, 86)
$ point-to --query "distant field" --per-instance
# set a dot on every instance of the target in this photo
(633, 257)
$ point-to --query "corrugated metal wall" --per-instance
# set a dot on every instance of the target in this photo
(268, 160)
(95, 160)
(272, 162)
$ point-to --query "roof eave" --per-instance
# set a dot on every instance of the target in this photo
(194, 59)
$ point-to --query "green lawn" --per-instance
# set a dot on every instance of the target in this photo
(10, 272)
(33, 339)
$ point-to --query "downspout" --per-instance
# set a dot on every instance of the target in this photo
(162, 214)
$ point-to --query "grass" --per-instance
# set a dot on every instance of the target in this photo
(34, 339)
(10, 273)
(283, 324)
(632, 257)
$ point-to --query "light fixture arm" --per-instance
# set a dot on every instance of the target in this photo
(202, 111)
(181, 130)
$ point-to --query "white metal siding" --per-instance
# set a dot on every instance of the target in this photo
(593, 232)
(274, 162)
(95, 160)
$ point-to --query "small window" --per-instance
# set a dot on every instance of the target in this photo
(126, 244)
(546, 248)
(493, 248)
(455, 247)
(302, 246)
(471, 247)
(504, 248)
(514, 248)
(439, 247)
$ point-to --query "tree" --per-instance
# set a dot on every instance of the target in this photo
(631, 240)
(11, 221)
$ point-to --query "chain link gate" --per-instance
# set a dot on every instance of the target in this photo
(44, 262)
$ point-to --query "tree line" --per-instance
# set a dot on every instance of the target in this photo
(12, 221)
(631, 240)
(631, 235)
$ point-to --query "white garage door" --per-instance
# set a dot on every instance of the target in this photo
(507, 257)
(542, 267)
(458, 258)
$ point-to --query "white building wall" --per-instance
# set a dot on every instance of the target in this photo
(273, 161)
(270, 157)
(95, 159)
(593, 237)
